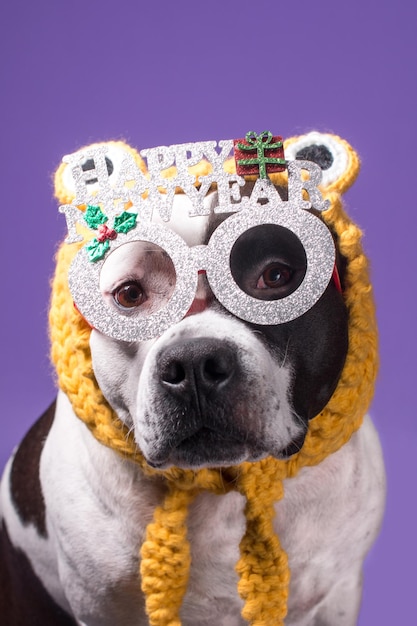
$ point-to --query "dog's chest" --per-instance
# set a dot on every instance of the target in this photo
(98, 540)
(216, 526)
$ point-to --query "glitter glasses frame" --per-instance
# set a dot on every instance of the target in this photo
(214, 259)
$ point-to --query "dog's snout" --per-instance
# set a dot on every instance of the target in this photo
(197, 366)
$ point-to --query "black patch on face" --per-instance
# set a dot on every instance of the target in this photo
(24, 601)
(25, 483)
(315, 345)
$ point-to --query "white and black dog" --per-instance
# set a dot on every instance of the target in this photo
(211, 390)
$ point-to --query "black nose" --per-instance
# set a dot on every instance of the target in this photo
(200, 366)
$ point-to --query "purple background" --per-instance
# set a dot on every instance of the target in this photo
(168, 72)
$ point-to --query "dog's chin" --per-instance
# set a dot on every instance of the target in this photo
(204, 448)
(207, 449)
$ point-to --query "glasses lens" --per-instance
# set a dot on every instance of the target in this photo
(268, 262)
(137, 279)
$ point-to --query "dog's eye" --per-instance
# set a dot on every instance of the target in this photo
(268, 262)
(274, 276)
(129, 295)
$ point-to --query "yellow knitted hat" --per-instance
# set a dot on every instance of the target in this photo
(263, 567)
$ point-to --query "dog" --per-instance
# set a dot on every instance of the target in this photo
(210, 390)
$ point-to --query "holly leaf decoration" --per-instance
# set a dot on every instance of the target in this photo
(97, 249)
(94, 216)
(125, 222)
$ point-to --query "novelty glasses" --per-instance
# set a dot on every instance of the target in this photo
(159, 286)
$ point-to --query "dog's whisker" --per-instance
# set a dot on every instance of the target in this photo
(287, 346)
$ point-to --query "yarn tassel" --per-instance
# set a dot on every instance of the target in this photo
(166, 559)
(263, 564)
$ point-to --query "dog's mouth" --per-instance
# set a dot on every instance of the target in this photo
(210, 448)
(206, 448)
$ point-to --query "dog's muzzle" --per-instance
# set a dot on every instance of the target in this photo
(200, 398)
(199, 380)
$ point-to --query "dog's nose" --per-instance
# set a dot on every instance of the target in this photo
(198, 366)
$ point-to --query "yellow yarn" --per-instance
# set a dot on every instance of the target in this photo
(263, 564)
(165, 554)
(166, 559)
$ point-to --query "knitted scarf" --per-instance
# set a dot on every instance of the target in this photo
(165, 554)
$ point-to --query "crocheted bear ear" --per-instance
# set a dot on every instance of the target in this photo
(64, 184)
(338, 161)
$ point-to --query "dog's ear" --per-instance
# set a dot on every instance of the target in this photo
(338, 160)
(115, 154)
